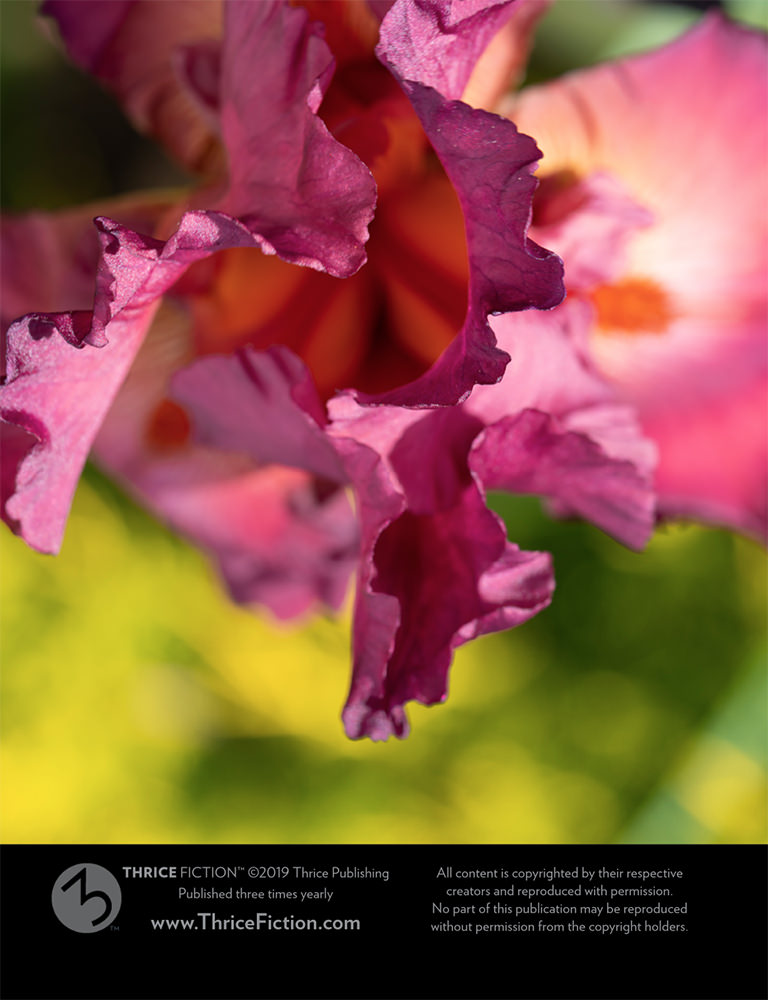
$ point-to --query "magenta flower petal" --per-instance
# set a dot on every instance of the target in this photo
(555, 430)
(49, 262)
(431, 49)
(290, 181)
(436, 43)
(436, 568)
(262, 403)
(531, 453)
(50, 259)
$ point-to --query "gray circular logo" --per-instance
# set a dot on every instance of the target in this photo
(86, 898)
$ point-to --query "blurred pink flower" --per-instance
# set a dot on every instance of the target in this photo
(654, 189)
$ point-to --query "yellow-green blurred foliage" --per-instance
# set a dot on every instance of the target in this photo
(139, 705)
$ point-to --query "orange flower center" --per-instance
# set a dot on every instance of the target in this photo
(633, 306)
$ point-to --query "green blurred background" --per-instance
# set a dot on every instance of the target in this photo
(138, 705)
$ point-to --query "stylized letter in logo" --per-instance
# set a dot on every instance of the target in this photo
(94, 906)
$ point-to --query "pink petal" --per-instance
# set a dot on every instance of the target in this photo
(431, 49)
(684, 132)
(59, 394)
(49, 260)
(435, 567)
(589, 223)
(301, 194)
(43, 378)
(532, 453)
(282, 538)
(262, 403)
(714, 459)
(436, 43)
(555, 430)
(59, 388)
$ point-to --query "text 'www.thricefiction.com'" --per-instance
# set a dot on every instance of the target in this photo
(260, 922)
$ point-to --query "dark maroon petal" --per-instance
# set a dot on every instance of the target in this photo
(436, 568)
(431, 49)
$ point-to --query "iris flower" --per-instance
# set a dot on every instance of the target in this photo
(654, 188)
(245, 398)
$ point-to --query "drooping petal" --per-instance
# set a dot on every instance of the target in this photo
(431, 49)
(436, 568)
(679, 327)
